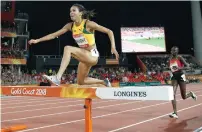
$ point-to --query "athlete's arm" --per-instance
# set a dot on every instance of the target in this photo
(51, 36)
(183, 61)
(94, 26)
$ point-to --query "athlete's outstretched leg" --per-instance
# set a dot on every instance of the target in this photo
(81, 55)
(182, 83)
(174, 102)
(185, 95)
(82, 79)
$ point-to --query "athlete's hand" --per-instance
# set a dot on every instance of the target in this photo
(188, 67)
(33, 41)
(113, 50)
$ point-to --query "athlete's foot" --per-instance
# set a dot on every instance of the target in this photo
(107, 82)
(193, 96)
(52, 79)
(173, 115)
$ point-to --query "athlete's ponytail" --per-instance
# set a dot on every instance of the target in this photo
(86, 14)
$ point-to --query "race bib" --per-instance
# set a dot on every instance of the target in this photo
(81, 40)
(174, 67)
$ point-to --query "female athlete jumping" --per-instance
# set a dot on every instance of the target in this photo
(83, 33)
(176, 63)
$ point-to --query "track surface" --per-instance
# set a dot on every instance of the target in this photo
(67, 115)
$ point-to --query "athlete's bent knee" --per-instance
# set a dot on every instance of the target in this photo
(67, 48)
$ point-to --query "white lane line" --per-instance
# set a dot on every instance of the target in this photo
(56, 107)
(69, 122)
(38, 101)
(144, 121)
(39, 104)
(93, 108)
(70, 111)
(6, 99)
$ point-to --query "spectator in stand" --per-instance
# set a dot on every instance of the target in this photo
(120, 74)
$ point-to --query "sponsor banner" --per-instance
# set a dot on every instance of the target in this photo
(112, 62)
(8, 34)
(30, 91)
(127, 93)
(194, 76)
(122, 84)
(13, 61)
(136, 93)
(68, 91)
(78, 93)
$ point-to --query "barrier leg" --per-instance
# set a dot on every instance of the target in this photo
(88, 116)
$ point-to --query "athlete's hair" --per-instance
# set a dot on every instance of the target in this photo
(175, 47)
(86, 14)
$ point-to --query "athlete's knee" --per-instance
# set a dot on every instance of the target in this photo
(67, 48)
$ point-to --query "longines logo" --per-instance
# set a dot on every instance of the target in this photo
(130, 94)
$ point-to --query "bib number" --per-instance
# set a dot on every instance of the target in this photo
(174, 67)
(81, 40)
(94, 52)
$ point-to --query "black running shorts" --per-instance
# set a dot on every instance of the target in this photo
(179, 76)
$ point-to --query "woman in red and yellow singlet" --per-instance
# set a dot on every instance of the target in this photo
(176, 64)
(87, 54)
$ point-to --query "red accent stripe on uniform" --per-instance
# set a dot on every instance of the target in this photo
(84, 46)
(77, 35)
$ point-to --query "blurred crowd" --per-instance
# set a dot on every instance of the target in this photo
(8, 52)
(16, 27)
(140, 33)
(160, 63)
(8, 26)
(191, 62)
(10, 75)
(6, 6)
(12, 47)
